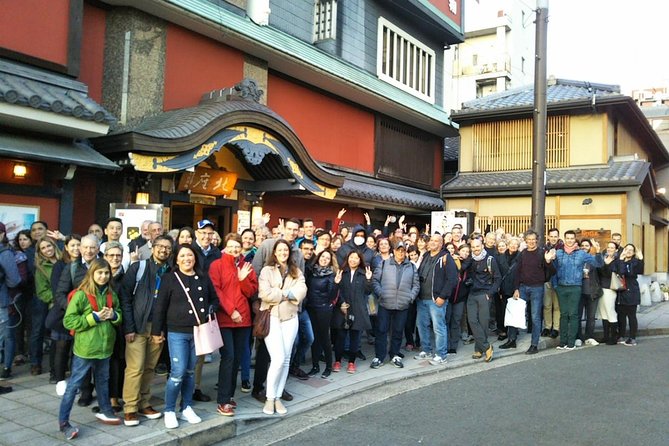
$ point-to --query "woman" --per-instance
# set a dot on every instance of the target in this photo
(235, 283)
(60, 355)
(591, 291)
(506, 259)
(249, 244)
(606, 307)
(457, 321)
(46, 257)
(186, 297)
(186, 236)
(281, 288)
(93, 313)
(421, 243)
(337, 241)
(350, 317)
(384, 252)
(321, 293)
(370, 241)
(629, 266)
(21, 321)
(114, 256)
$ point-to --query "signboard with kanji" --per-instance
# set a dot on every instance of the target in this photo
(208, 182)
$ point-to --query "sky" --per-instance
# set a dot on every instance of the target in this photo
(620, 42)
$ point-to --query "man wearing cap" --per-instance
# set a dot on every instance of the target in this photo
(9, 278)
(396, 284)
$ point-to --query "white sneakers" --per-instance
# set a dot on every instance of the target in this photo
(591, 341)
(61, 387)
(423, 355)
(188, 414)
(268, 408)
(438, 360)
(171, 421)
(280, 408)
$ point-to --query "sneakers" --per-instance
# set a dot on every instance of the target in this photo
(630, 342)
(298, 373)
(351, 368)
(326, 373)
(5, 389)
(201, 397)
(409, 347)
(568, 348)
(477, 355)
(315, 370)
(438, 360)
(70, 432)
(171, 421)
(591, 341)
(5, 374)
(225, 409)
(561, 347)
(532, 350)
(150, 413)
(508, 344)
(423, 355)
(108, 418)
(268, 408)
(131, 419)
(488, 354)
(578, 343)
(336, 367)
(452, 351)
(468, 340)
(188, 414)
(280, 408)
(376, 363)
(397, 362)
(620, 341)
(545, 333)
(246, 386)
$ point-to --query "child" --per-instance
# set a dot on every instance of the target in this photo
(92, 314)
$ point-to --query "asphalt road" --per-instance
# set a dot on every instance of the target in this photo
(613, 395)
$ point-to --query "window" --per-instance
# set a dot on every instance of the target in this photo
(513, 224)
(325, 20)
(405, 62)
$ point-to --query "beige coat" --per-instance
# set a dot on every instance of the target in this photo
(273, 290)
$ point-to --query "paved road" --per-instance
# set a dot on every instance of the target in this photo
(592, 396)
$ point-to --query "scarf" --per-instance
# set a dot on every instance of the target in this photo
(569, 250)
(319, 271)
(481, 256)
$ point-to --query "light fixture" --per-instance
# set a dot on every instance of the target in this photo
(20, 171)
(662, 190)
(142, 198)
(256, 213)
(587, 201)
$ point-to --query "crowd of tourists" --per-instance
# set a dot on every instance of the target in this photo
(111, 316)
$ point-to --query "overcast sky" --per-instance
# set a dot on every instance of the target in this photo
(621, 42)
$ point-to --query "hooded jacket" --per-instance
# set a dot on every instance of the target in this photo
(366, 253)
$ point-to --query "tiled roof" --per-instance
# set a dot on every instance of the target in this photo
(451, 148)
(386, 192)
(617, 173)
(557, 90)
(30, 87)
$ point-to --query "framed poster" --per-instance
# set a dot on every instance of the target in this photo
(17, 217)
(133, 215)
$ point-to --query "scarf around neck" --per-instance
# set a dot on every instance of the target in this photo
(569, 250)
(481, 256)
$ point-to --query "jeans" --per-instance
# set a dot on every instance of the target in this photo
(569, 297)
(38, 310)
(454, 314)
(534, 296)
(235, 340)
(11, 324)
(395, 320)
(182, 374)
(279, 344)
(478, 313)
(80, 369)
(428, 311)
(4, 328)
(305, 337)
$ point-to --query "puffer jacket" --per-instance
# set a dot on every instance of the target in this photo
(570, 266)
(396, 285)
(321, 289)
(629, 269)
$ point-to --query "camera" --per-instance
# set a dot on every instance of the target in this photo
(348, 322)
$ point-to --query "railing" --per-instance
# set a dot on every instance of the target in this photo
(513, 224)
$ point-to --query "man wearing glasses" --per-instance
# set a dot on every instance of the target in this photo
(138, 294)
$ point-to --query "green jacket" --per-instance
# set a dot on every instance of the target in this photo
(92, 340)
(43, 282)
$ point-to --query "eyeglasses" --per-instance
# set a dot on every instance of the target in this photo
(163, 247)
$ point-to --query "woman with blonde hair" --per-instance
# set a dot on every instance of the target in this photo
(47, 255)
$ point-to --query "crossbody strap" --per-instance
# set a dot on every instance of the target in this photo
(189, 299)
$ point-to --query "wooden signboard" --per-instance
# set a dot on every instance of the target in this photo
(208, 182)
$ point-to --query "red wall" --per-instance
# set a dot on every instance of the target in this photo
(38, 28)
(196, 65)
(333, 131)
(318, 209)
(92, 50)
(84, 203)
(48, 208)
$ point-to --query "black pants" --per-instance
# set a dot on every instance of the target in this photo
(410, 327)
(234, 343)
(626, 312)
(588, 304)
(117, 367)
(354, 344)
(500, 311)
(61, 358)
(320, 323)
(262, 364)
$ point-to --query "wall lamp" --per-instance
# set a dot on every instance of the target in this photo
(20, 171)
(142, 198)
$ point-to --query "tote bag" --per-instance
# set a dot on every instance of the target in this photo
(515, 313)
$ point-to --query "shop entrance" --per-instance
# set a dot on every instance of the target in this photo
(188, 214)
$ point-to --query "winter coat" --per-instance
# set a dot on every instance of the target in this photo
(508, 265)
(9, 275)
(43, 288)
(461, 292)
(366, 253)
(396, 285)
(232, 294)
(355, 294)
(591, 286)
(321, 289)
(272, 288)
(205, 261)
(483, 279)
(445, 278)
(138, 297)
(629, 269)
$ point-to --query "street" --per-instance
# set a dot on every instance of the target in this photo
(595, 395)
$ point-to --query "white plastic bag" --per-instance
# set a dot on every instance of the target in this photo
(515, 313)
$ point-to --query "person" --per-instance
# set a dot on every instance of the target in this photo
(140, 288)
(113, 231)
(507, 260)
(20, 320)
(235, 282)
(456, 309)
(92, 314)
(281, 288)
(551, 302)
(337, 242)
(629, 265)
(144, 252)
(249, 250)
(309, 229)
(396, 284)
(46, 256)
(357, 242)
(186, 236)
(248, 244)
(591, 292)
(486, 279)
(114, 254)
(143, 238)
(456, 235)
(321, 293)
(96, 230)
(323, 241)
(307, 248)
(10, 278)
(185, 299)
(569, 263)
(606, 306)
(351, 317)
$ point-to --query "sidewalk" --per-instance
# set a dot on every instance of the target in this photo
(29, 413)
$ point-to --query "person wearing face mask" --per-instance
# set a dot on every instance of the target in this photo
(357, 243)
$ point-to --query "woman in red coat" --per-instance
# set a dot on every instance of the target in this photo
(235, 283)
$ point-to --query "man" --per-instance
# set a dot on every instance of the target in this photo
(9, 278)
(438, 277)
(486, 279)
(569, 262)
(145, 251)
(113, 231)
(96, 230)
(305, 333)
(617, 238)
(456, 235)
(396, 284)
(551, 304)
(138, 295)
(38, 230)
(529, 286)
(138, 242)
(307, 248)
(309, 228)
(357, 243)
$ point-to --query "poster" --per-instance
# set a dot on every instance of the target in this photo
(133, 215)
(443, 221)
(17, 217)
(243, 220)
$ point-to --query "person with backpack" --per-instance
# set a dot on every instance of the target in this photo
(92, 314)
(9, 278)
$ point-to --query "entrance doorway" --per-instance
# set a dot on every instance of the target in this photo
(188, 214)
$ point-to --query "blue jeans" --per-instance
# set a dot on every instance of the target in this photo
(10, 324)
(305, 337)
(38, 313)
(428, 311)
(534, 295)
(4, 333)
(399, 319)
(80, 369)
(182, 374)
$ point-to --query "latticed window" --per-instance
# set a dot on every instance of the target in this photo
(325, 20)
(507, 145)
(513, 224)
(405, 62)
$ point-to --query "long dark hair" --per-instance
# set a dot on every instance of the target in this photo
(293, 269)
(360, 256)
(179, 248)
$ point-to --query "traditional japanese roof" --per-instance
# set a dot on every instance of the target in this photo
(451, 148)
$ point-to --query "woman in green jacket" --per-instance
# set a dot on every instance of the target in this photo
(46, 256)
(93, 314)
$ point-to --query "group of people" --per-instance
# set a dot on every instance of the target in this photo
(113, 312)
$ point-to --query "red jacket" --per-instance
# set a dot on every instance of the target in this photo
(232, 294)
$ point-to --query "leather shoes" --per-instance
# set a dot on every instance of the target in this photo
(555, 334)
(532, 350)
(508, 344)
(545, 332)
(199, 396)
(259, 396)
(361, 356)
(286, 396)
(85, 400)
(298, 373)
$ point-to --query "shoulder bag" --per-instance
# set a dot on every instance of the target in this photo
(261, 320)
(618, 282)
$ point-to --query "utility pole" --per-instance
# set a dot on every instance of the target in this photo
(539, 122)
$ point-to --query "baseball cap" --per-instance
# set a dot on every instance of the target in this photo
(399, 245)
(204, 223)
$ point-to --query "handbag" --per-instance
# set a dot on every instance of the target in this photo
(618, 282)
(261, 321)
(207, 335)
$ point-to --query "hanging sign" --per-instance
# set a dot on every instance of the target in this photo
(208, 182)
